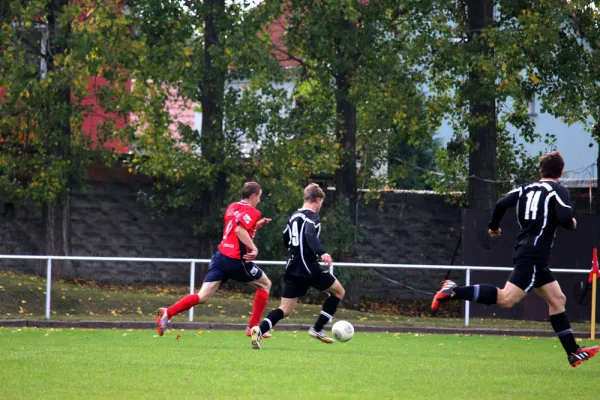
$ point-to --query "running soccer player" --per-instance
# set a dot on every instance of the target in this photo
(541, 207)
(301, 238)
(233, 260)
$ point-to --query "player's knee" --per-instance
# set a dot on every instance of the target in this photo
(558, 302)
(506, 301)
(338, 291)
(267, 285)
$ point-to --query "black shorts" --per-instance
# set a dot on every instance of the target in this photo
(222, 268)
(529, 275)
(297, 286)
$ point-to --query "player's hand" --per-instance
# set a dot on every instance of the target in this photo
(496, 233)
(327, 259)
(574, 224)
(263, 221)
(252, 255)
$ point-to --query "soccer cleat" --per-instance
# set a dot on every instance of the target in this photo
(582, 354)
(444, 294)
(264, 336)
(256, 336)
(161, 321)
(320, 336)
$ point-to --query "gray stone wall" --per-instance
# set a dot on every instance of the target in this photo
(108, 220)
(406, 228)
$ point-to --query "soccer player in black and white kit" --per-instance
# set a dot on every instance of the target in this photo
(541, 207)
(301, 238)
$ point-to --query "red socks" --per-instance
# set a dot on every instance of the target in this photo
(184, 304)
(261, 298)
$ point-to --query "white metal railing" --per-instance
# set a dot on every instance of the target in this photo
(194, 261)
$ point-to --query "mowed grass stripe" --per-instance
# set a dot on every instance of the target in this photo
(75, 364)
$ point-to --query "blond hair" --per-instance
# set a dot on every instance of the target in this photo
(313, 192)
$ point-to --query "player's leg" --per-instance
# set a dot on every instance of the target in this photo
(553, 295)
(285, 308)
(328, 283)
(185, 303)
(261, 299)
(519, 283)
(293, 287)
(212, 280)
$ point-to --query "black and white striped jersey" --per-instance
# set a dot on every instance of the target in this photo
(541, 207)
(301, 238)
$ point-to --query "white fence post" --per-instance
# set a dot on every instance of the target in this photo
(48, 286)
(467, 303)
(192, 284)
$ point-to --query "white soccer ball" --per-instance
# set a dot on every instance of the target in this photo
(342, 331)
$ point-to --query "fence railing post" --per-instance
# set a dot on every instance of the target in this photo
(467, 303)
(192, 286)
(48, 286)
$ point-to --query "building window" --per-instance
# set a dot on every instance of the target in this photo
(532, 106)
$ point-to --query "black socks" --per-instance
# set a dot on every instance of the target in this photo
(329, 308)
(272, 319)
(562, 327)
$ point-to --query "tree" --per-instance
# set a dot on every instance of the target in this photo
(527, 49)
(48, 52)
(366, 56)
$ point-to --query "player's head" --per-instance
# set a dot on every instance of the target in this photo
(551, 165)
(313, 194)
(251, 192)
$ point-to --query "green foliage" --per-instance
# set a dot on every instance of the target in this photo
(546, 49)
(44, 145)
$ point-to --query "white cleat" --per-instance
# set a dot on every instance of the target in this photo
(320, 336)
(256, 336)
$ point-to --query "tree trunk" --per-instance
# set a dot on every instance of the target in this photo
(56, 216)
(345, 177)
(213, 85)
(56, 222)
(482, 188)
(213, 89)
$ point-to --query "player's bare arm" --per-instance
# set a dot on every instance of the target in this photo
(263, 221)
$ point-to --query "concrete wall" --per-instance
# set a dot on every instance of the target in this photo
(108, 220)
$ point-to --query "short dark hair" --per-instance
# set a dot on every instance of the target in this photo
(552, 165)
(313, 192)
(249, 189)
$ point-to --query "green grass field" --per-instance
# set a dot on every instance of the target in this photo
(137, 364)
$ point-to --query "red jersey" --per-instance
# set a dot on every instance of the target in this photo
(238, 213)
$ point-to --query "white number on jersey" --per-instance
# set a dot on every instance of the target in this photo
(295, 238)
(228, 228)
(531, 207)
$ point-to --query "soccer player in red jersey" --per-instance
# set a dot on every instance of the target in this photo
(233, 260)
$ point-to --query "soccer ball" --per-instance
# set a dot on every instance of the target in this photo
(342, 331)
